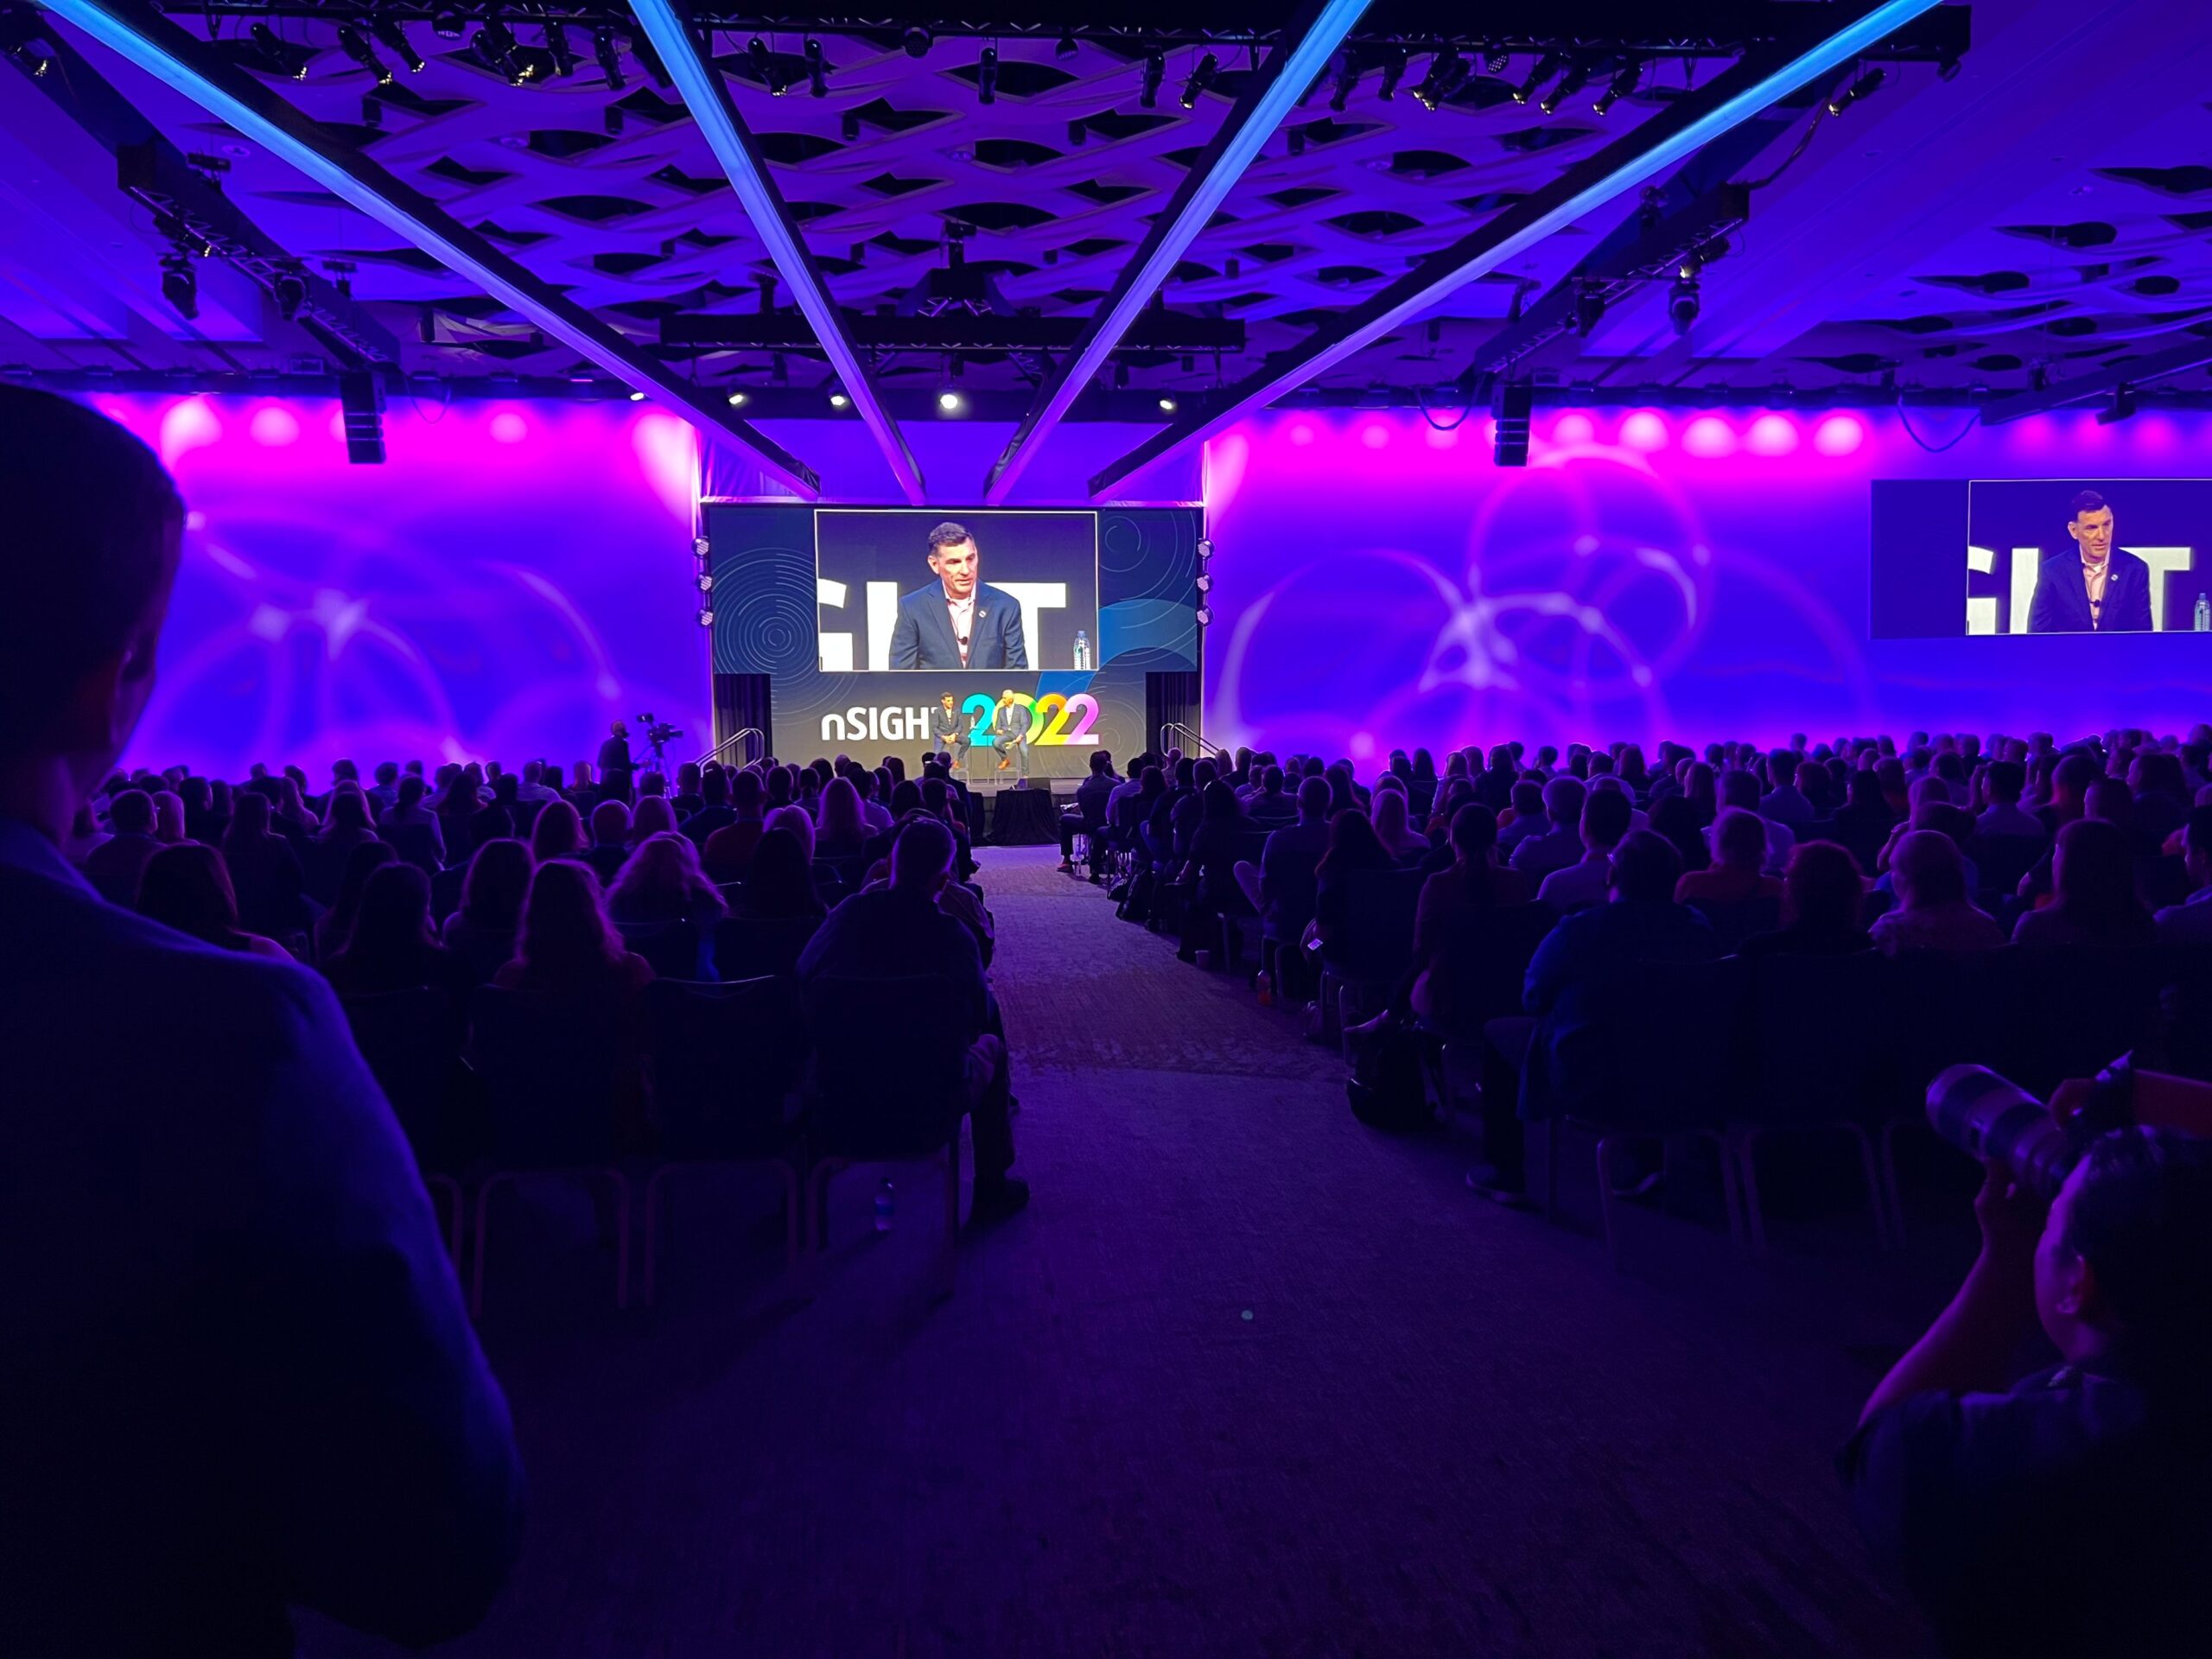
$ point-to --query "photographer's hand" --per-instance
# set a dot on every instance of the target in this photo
(1971, 1340)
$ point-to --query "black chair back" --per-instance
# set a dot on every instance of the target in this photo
(1484, 964)
(555, 1069)
(750, 947)
(726, 1061)
(888, 1066)
(1855, 1073)
(407, 1039)
(674, 949)
(1375, 945)
(1999, 861)
(1734, 922)
(1665, 1047)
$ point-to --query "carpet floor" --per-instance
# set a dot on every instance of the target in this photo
(1246, 1379)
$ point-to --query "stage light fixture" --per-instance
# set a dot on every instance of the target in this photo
(1167, 405)
(1589, 309)
(1576, 78)
(1394, 71)
(637, 396)
(1065, 47)
(1684, 301)
(1447, 73)
(1204, 584)
(2121, 406)
(917, 41)
(706, 618)
(1347, 78)
(1621, 87)
(764, 66)
(1496, 60)
(360, 415)
(285, 58)
(987, 76)
(838, 400)
(395, 42)
(1203, 616)
(1155, 71)
(556, 46)
(355, 46)
(603, 47)
(949, 401)
(737, 400)
(706, 582)
(817, 71)
(180, 284)
(1547, 66)
(1201, 78)
(701, 547)
(1511, 411)
(448, 24)
(1206, 550)
(290, 289)
(1865, 86)
(495, 48)
(35, 63)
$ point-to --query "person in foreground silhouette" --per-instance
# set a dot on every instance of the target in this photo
(2070, 1512)
(237, 1373)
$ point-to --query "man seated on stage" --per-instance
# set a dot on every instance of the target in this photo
(956, 621)
(946, 728)
(899, 930)
(1010, 724)
(2092, 586)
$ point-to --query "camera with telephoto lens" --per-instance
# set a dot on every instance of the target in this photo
(1991, 1117)
(658, 732)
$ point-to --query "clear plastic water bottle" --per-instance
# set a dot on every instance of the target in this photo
(884, 1204)
(1083, 647)
(2203, 615)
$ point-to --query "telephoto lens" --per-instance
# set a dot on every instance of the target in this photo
(1988, 1116)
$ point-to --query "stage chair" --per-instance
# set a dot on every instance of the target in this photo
(408, 1040)
(889, 1085)
(725, 1061)
(557, 1071)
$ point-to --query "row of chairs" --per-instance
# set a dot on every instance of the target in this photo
(733, 1073)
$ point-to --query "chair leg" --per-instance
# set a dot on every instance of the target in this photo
(1606, 1202)
(1747, 1164)
(483, 1226)
(1731, 1195)
(1890, 1180)
(621, 1184)
(652, 1228)
(1883, 1234)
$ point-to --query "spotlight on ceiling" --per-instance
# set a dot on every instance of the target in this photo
(1203, 616)
(764, 66)
(1201, 78)
(917, 41)
(1204, 584)
(180, 284)
(355, 46)
(290, 289)
(706, 618)
(1167, 405)
(838, 400)
(1576, 78)
(2121, 406)
(1865, 86)
(495, 48)
(949, 401)
(557, 47)
(36, 62)
(1589, 310)
(283, 57)
(1496, 60)
(706, 582)
(738, 400)
(1447, 73)
(1155, 71)
(1547, 66)
(610, 57)
(1684, 302)
(1065, 47)
(1347, 80)
(1394, 71)
(987, 76)
(448, 24)
(637, 396)
(817, 71)
(395, 42)
(1621, 87)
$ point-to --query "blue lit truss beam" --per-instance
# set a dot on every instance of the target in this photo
(1306, 46)
(1834, 35)
(668, 24)
(136, 31)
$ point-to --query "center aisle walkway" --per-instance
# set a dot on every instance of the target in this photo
(1246, 1379)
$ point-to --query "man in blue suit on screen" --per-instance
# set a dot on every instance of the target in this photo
(2096, 588)
(956, 621)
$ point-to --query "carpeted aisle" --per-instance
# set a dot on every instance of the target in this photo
(1246, 1379)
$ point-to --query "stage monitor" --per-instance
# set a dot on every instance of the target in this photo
(2001, 557)
(903, 631)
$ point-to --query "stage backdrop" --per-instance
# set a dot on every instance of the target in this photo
(512, 579)
(1652, 573)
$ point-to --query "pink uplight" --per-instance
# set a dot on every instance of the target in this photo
(1708, 436)
(1573, 428)
(186, 426)
(1375, 434)
(1644, 431)
(337, 426)
(274, 426)
(1443, 437)
(1838, 435)
(507, 427)
(1771, 435)
(1301, 435)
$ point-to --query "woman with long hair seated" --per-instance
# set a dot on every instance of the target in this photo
(558, 833)
(1354, 849)
(654, 817)
(482, 931)
(393, 946)
(187, 888)
(349, 824)
(335, 926)
(782, 881)
(2092, 881)
(1823, 892)
(842, 830)
(796, 821)
(661, 882)
(566, 943)
(1394, 828)
(1737, 874)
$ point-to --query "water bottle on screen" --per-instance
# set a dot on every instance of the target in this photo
(883, 1206)
(2203, 615)
(1083, 648)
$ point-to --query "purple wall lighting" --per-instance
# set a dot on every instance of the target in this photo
(1651, 573)
(513, 578)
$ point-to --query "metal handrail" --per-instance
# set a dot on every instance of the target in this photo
(1185, 738)
(737, 737)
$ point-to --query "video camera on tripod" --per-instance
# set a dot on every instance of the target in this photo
(658, 734)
